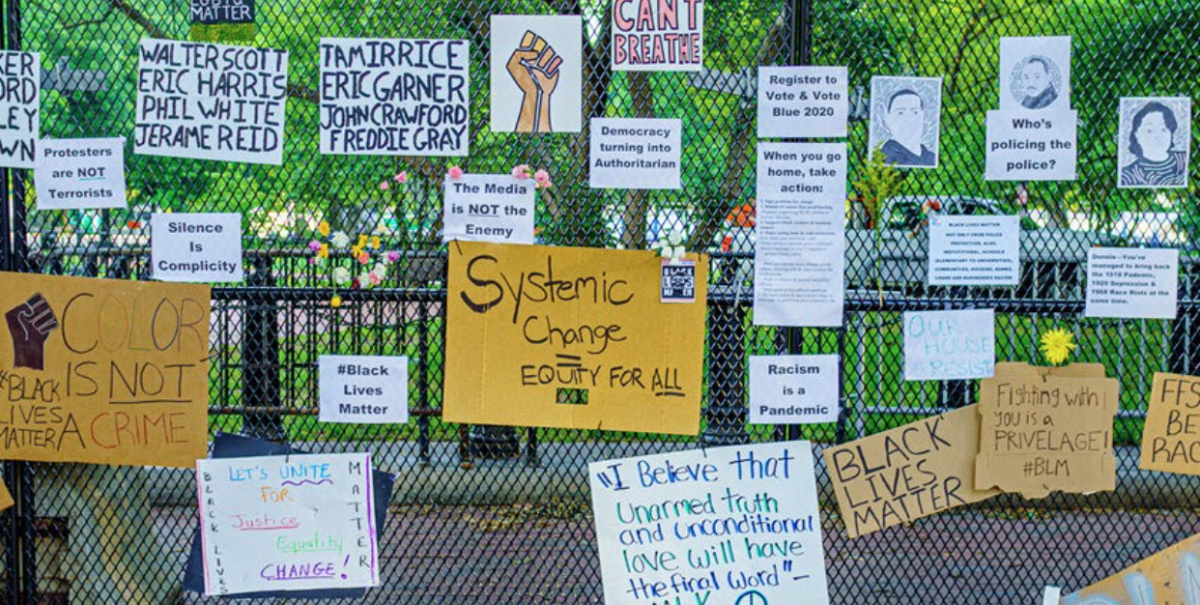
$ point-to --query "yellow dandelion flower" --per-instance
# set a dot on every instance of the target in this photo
(362, 241)
(324, 229)
(336, 301)
(1057, 345)
(356, 250)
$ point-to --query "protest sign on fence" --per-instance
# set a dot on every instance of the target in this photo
(1171, 576)
(974, 250)
(292, 523)
(649, 35)
(495, 208)
(20, 113)
(363, 389)
(222, 21)
(395, 97)
(196, 246)
(210, 101)
(1047, 429)
(803, 102)
(794, 389)
(73, 174)
(724, 526)
(536, 73)
(1031, 147)
(1132, 283)
(949, 345)
(907, 473)
(1171, 440)
(571, 337)
(635, 153)
(104, 371)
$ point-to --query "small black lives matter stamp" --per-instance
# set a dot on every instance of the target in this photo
(678, 281)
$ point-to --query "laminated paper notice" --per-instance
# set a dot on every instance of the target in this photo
(1047, 429)
(1171, 441)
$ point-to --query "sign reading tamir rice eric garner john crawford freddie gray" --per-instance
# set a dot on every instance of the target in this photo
(571, 337)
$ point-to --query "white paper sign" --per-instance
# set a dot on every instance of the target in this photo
(800, 245)
(74, 174)
(803, 102)
(210, 101)
(635, 153)
(1029, 146)
(196, 247)
(906, 120)
(1154, 142)
(1052, 595)
(276, 523)
(488, 208)
(1035, 74)
(537, 73)
(794, 389)
(949, 345)
(726, 526)
(395, 97)
(20, 108)
(657, 36)
(363, 389)
(1132, 283)
(974, 250)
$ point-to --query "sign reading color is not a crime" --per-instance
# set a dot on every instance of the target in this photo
(572, 338)
(103, 371)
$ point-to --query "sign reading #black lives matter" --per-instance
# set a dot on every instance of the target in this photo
(395, 97)
(211, 102)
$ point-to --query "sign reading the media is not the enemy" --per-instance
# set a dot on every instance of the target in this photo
(73, 174)
(103, 371)
(635, 153)
(395, 97)
(571, 338)
(488, 208)
(196, 247)
(650, 35)
(210, 101)
(793, 389)
(803, 102)
(363, 389)
(20, 106)
(734, 525)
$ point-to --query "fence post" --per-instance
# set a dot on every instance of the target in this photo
(725, 415)
(260, 357)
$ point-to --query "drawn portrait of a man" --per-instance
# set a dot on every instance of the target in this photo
(905, 120)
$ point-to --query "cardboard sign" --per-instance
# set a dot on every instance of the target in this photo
(22, 81)
(74, 174)
(196, 246)
(908, 472)
(949, 345)
(731, 525)
(537, 73)
(1047, 429)
(210, 101)
(974, 250)
(488, 208)
(1132, 283)
(803, 102)
(103, 371)
(278, 522)
(572, 338)
(363, 389)
(6, 499)
(1171, 440)
(794, 389)
(635, 153)
(649, 35)
(1172, 576)
(395, 97)
(1027, 146)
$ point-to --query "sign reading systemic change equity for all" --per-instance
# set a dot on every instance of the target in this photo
(20, 105)
(1171, 441)
(728, 526)
(1047, 429)
(653, 35)
(395, 97)
(907, 473)
(210, 101)
(571, 337)
(103, 371)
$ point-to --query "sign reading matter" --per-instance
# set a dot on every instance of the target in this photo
(653, 35)
(196, 247)
(907, 473)
(573, 338)
(74, 174)
(210, 101)
(363, 389)
(793, 389)
(488, 208)
(287, 523)
(1132, 283)
(395, 97)
(103, 371)
(727, 526)
(974, 250)
(802, 102)
(635, 153)
(1171, 441)
(1025, 146)
(20, 107)
(949, 345)
(215, 12)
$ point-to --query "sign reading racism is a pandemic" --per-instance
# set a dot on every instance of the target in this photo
(571, 337)
(103, 371)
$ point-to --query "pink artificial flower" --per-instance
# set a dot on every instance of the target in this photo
(455, 172)
(542, 177)
(393, 256)
(364, 258)
(375, 279)
(521, 172)
(401, 177)
(312, 260)
(314, 246)
(385, 186)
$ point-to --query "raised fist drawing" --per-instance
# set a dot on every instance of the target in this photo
(534, 67)
(29, 325)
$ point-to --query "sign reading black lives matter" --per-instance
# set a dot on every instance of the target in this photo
(215, 12)
(211, 102)
(20, 101)
(395, 97)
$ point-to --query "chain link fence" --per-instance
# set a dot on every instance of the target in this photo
(498, 515)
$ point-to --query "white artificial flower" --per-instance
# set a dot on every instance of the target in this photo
(341, 276)
(339, 239)
(381, 270)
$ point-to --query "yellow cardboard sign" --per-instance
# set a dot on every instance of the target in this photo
(1047, 429)
(1171, 441)
(534, 332)
(103, 371)
(1171, 576)
(6, 499)
(907, 473)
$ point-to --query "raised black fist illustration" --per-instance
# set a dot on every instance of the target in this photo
(30, 324)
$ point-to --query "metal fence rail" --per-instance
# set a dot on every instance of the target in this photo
(494, 515)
